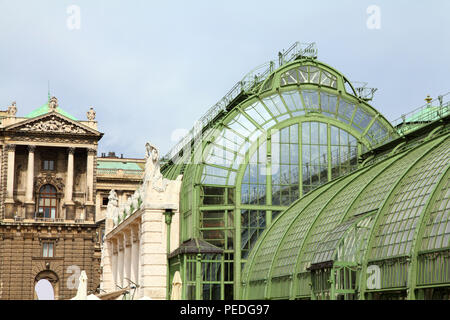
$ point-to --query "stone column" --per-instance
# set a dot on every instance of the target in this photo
(153, 254)
(126, 258)
(68, 199)
(135, 257)
(9, 201)
(114, 262)
(120, 258)
(107, 280)
(29, 203)
(90, 207)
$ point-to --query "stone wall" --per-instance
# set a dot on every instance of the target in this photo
(21, 258)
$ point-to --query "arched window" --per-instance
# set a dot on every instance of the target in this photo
(52, 277)
(47, 202)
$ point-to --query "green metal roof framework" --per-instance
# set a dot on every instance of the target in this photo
(304, 93)
(392, 217)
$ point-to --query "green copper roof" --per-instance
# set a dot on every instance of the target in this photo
(118, 165)
(44, 109)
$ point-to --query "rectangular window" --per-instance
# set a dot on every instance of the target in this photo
(47, 249)
(105, 201)
(48, 165)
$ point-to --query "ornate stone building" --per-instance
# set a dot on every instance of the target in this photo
(48, 194)
(140, 234)
(124, 175)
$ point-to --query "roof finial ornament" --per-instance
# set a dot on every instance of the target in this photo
(53, 104)
(428, 99)
(91, 114)
(12, 109)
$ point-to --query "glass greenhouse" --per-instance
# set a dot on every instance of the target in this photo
(304, 190)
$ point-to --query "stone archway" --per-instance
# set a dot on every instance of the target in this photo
(52, 277)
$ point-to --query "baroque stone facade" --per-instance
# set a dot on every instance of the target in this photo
(48, 226)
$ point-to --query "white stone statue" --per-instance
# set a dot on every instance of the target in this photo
(153, 174)
(141, 194)
(91, 114)
(53, 104)
(122, 208)
(82, 287)
(128, 206)
(135, 201)
(12, 109)
(112, 210)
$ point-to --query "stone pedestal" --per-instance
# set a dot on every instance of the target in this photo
(70, 211)
(30, 208)
(90, 212)
(9, 209)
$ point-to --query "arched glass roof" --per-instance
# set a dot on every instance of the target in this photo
(300, 128)
(389, 215)
(305, 88)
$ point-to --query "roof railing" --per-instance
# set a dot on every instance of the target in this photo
(418, 118)
(246, 85)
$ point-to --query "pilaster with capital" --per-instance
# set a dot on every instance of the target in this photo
(29, 203)
(68, 196)
(90, 175)
(120, 261)
(135, 242)
(126, 256)
(11, 150)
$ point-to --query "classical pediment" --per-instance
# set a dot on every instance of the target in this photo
(52, 123)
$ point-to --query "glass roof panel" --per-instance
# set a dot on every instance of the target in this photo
(412, 193)
(437, 229)
(311, 99)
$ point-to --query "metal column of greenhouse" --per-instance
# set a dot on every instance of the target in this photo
(278, 135)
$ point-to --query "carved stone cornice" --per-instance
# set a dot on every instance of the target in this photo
(10, 147)
(66, 140)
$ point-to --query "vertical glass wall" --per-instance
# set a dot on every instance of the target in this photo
(285, 160)
(324, 152)
(314, 155)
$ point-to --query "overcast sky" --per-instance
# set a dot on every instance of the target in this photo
(152, 67)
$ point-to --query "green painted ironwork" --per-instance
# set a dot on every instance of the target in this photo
(256, 135)
(411, 165)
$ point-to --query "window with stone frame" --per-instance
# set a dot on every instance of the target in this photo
(48, 249)
(48, 165)
(48, 202)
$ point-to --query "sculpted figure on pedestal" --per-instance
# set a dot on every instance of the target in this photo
(153, 174)
(135, 201)
(91, 114)
(53, 104)
(112, 210)
(12, 109)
